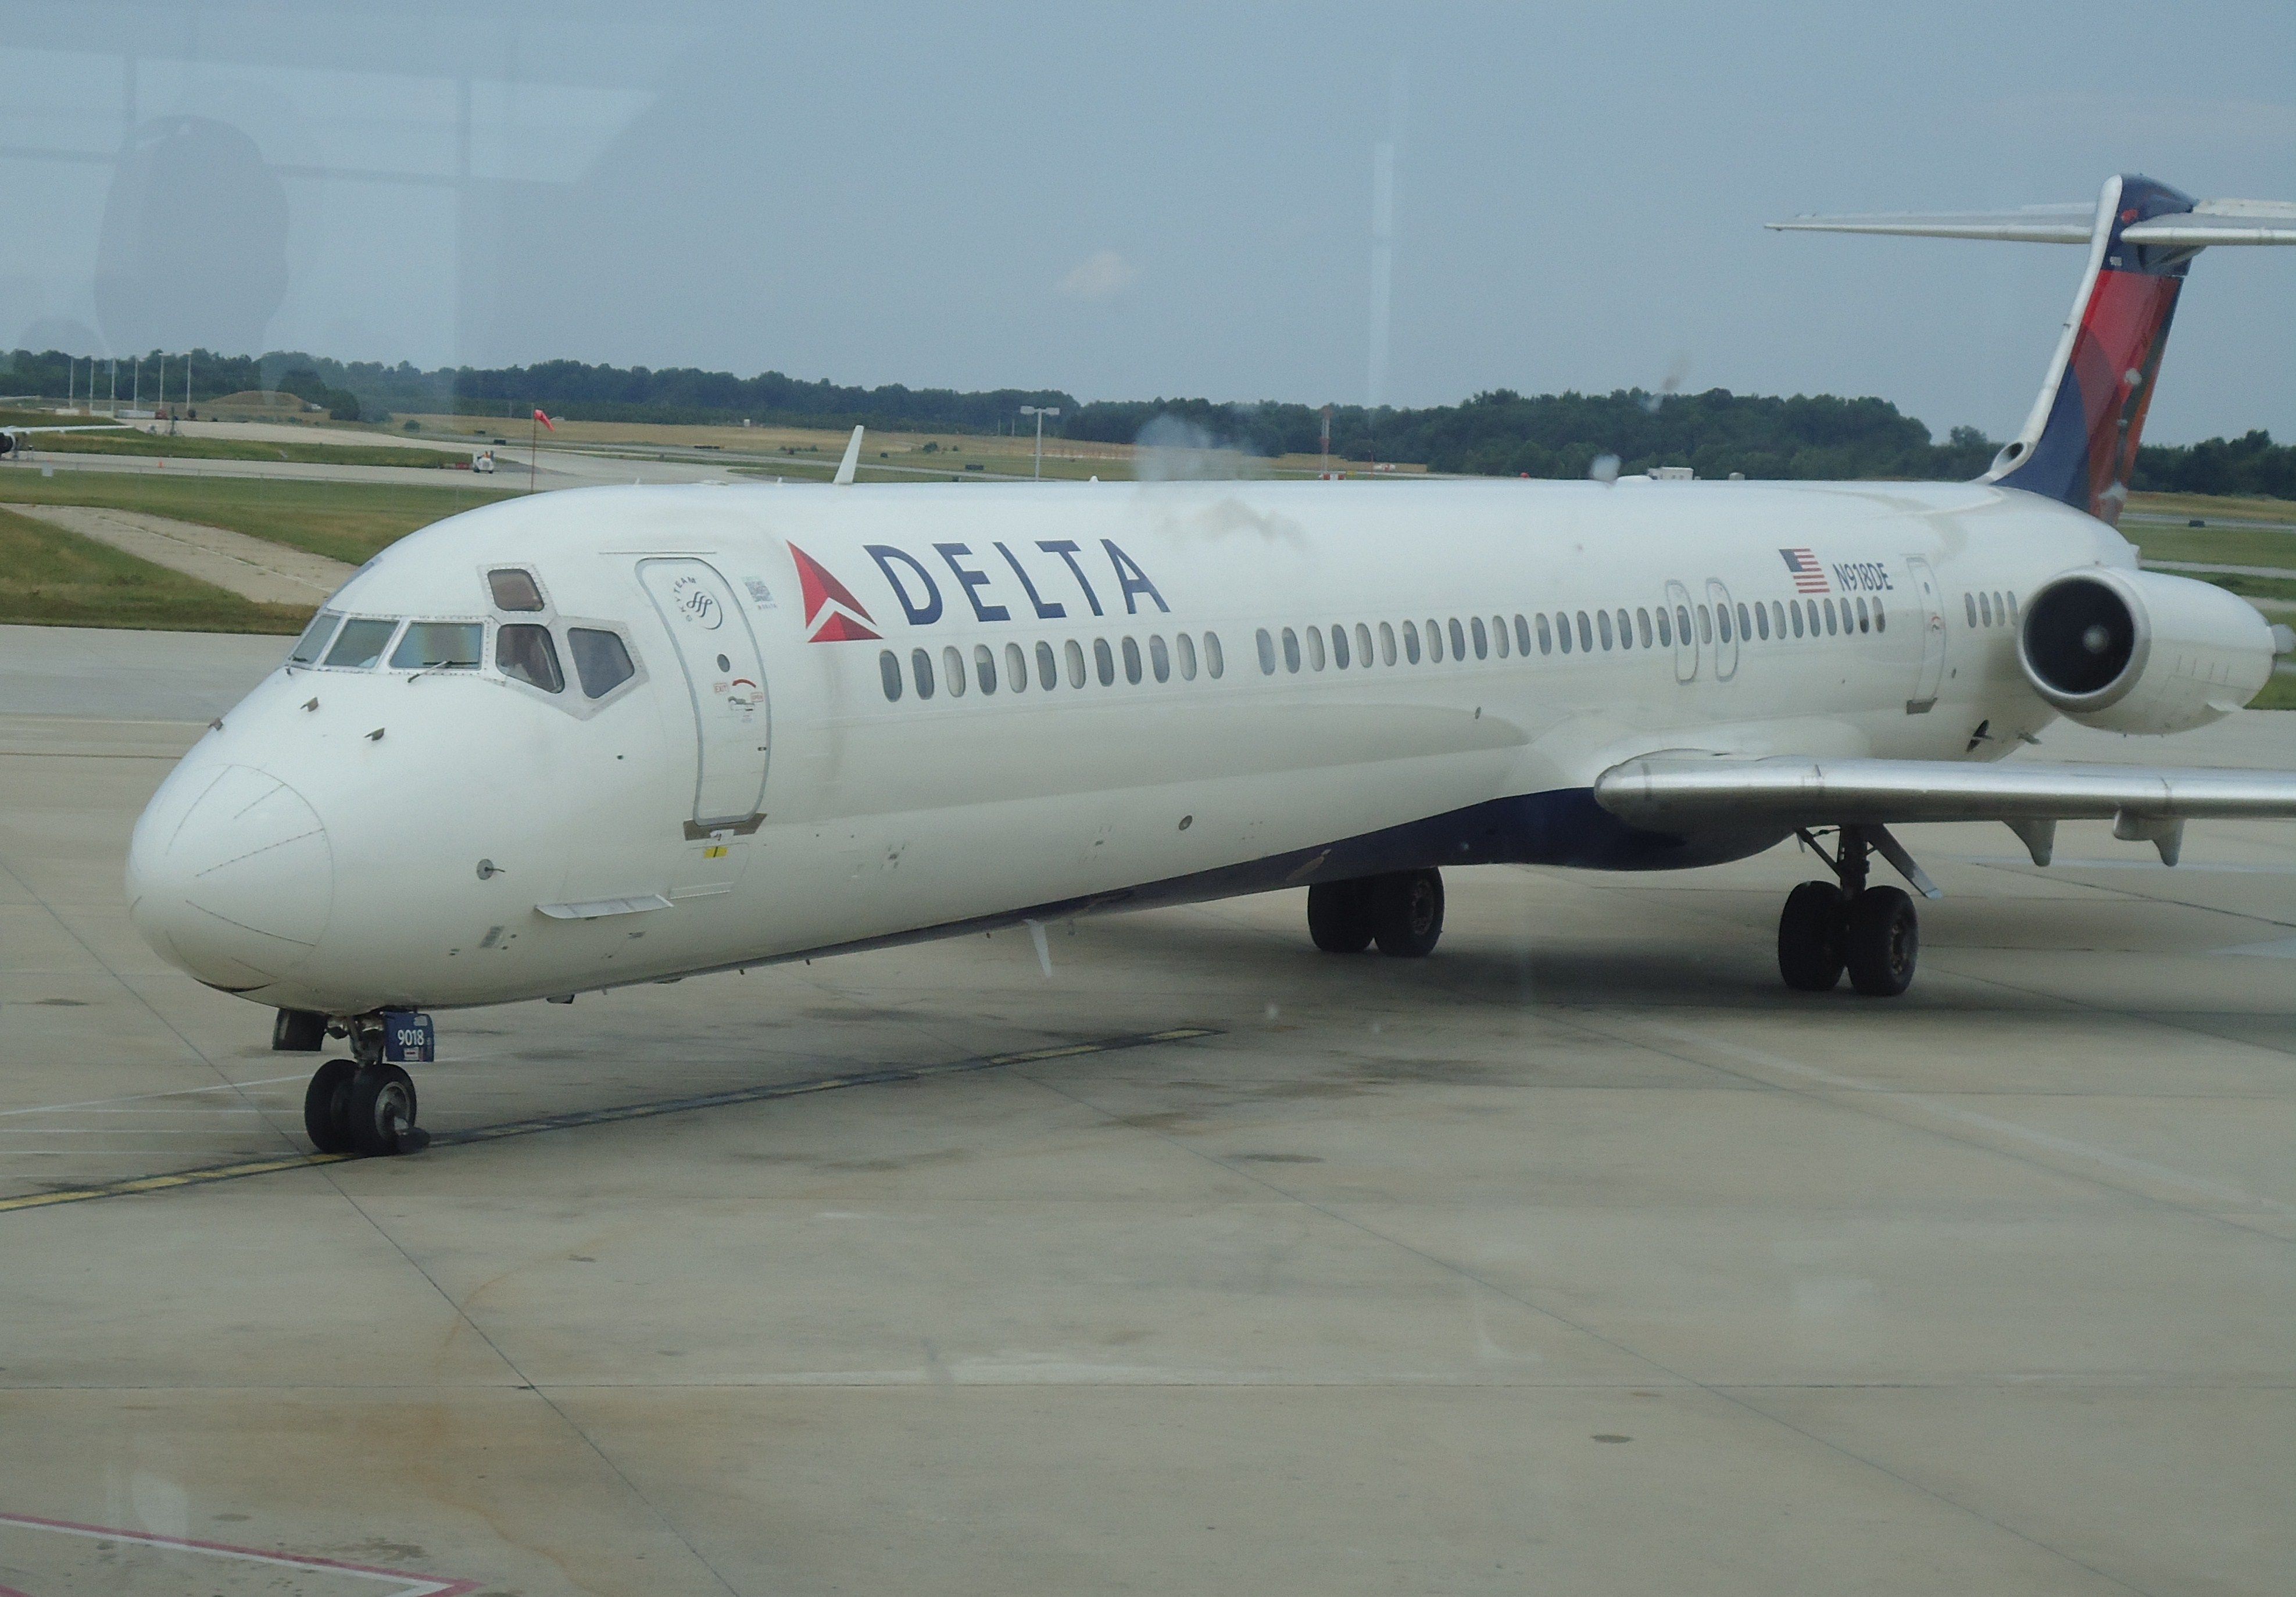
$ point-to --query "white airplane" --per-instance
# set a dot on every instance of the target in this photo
(588, 738)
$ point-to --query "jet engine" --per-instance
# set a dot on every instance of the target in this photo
(2143, 652)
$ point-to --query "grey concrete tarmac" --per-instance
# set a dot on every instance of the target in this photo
(1581, 1257)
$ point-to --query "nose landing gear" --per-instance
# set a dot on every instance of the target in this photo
(365, 1105)
(1871, 931)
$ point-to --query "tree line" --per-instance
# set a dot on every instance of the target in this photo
(1497, 433)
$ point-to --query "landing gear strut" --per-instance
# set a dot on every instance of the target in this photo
(1831, 927)
(1402, 912)
(363, 1105)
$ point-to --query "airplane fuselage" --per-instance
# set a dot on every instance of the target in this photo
(866, 714)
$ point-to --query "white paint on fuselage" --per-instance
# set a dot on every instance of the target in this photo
(883, 819)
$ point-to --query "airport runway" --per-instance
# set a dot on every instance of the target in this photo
(1579, 1258)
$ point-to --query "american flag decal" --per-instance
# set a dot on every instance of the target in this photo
(1808, 575)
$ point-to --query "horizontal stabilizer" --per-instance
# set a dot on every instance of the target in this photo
(2209, 222)
(1677, 792)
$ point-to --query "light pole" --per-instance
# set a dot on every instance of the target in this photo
(1040, 412)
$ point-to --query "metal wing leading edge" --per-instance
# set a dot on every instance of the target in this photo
(2151, 805)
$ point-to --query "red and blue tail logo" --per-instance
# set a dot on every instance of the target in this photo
(832, 613)
(2087, 449)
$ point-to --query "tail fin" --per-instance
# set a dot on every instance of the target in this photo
(2079, 443)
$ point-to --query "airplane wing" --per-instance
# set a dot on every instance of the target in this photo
(1663, 793)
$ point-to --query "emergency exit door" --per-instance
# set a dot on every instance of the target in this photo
(725, 681)
(1932, 673)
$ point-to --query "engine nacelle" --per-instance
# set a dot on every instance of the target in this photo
(10, 443)
(2143, 652)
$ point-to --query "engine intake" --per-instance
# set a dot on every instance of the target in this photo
(2143, 652)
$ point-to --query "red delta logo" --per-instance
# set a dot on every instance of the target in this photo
(832, 613)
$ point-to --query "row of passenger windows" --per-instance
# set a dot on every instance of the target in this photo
(524, 651)
(1566, 631)
(1995, 609)
(1161, 661)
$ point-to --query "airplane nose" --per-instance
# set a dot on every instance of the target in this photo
(230, 876)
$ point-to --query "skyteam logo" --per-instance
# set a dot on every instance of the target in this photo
(832, 613)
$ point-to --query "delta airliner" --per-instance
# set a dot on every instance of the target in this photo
(588, 738)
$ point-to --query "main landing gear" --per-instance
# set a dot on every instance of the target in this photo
(1402, 912)
(363, 1105)
(1831, 927)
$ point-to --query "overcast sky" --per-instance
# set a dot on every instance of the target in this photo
(1126, 201)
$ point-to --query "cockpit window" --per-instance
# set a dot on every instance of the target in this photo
(525, 654)
(600, 660)
(315, 636)
(360, 643)
(436, 645)
(513, 589)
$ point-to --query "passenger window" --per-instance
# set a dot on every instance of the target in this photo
(1546, 635)
(1795, 610)
(1458, 640)
(1586, 635)
(1016, 668)
(1642, 624)
(1665, 630)
(1969, 605)
(1604, 617)
(1762, 622)
(1267, 653)
(1104, 659)
(1315, 648)
(1483, 638)
(1984, 609)
(1214, 660)
(439, 646)
(524, 653)
(1521, 635)
(1562, 625)
(1132, 662)
(1499, 636)
(920, 669)
(1340, 647)
(1160, 658)
(2012, 609)
(984, 666)
(1744, 630)
(1048, 675)
(1363, 643)
(1411, 642)
(1435, 642)
(1073, 652)
(1681, 623)
(1386, 644)
(888, 669)
(1777, 619)
(1880, 621)
(952, 668)
(1626, 630)
(1826, 606)
(513, 589)
(1722, 621)
(1290, 651)
(1865, 621)
(314, 638)
(360, 643)
(601, 661)
(1186, 645)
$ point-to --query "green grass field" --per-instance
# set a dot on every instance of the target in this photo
(2221, 546)
(344, 521)
(181, 448)
(50, 578)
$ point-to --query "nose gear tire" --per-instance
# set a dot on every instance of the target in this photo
(326, 1104)
(381, 1110)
